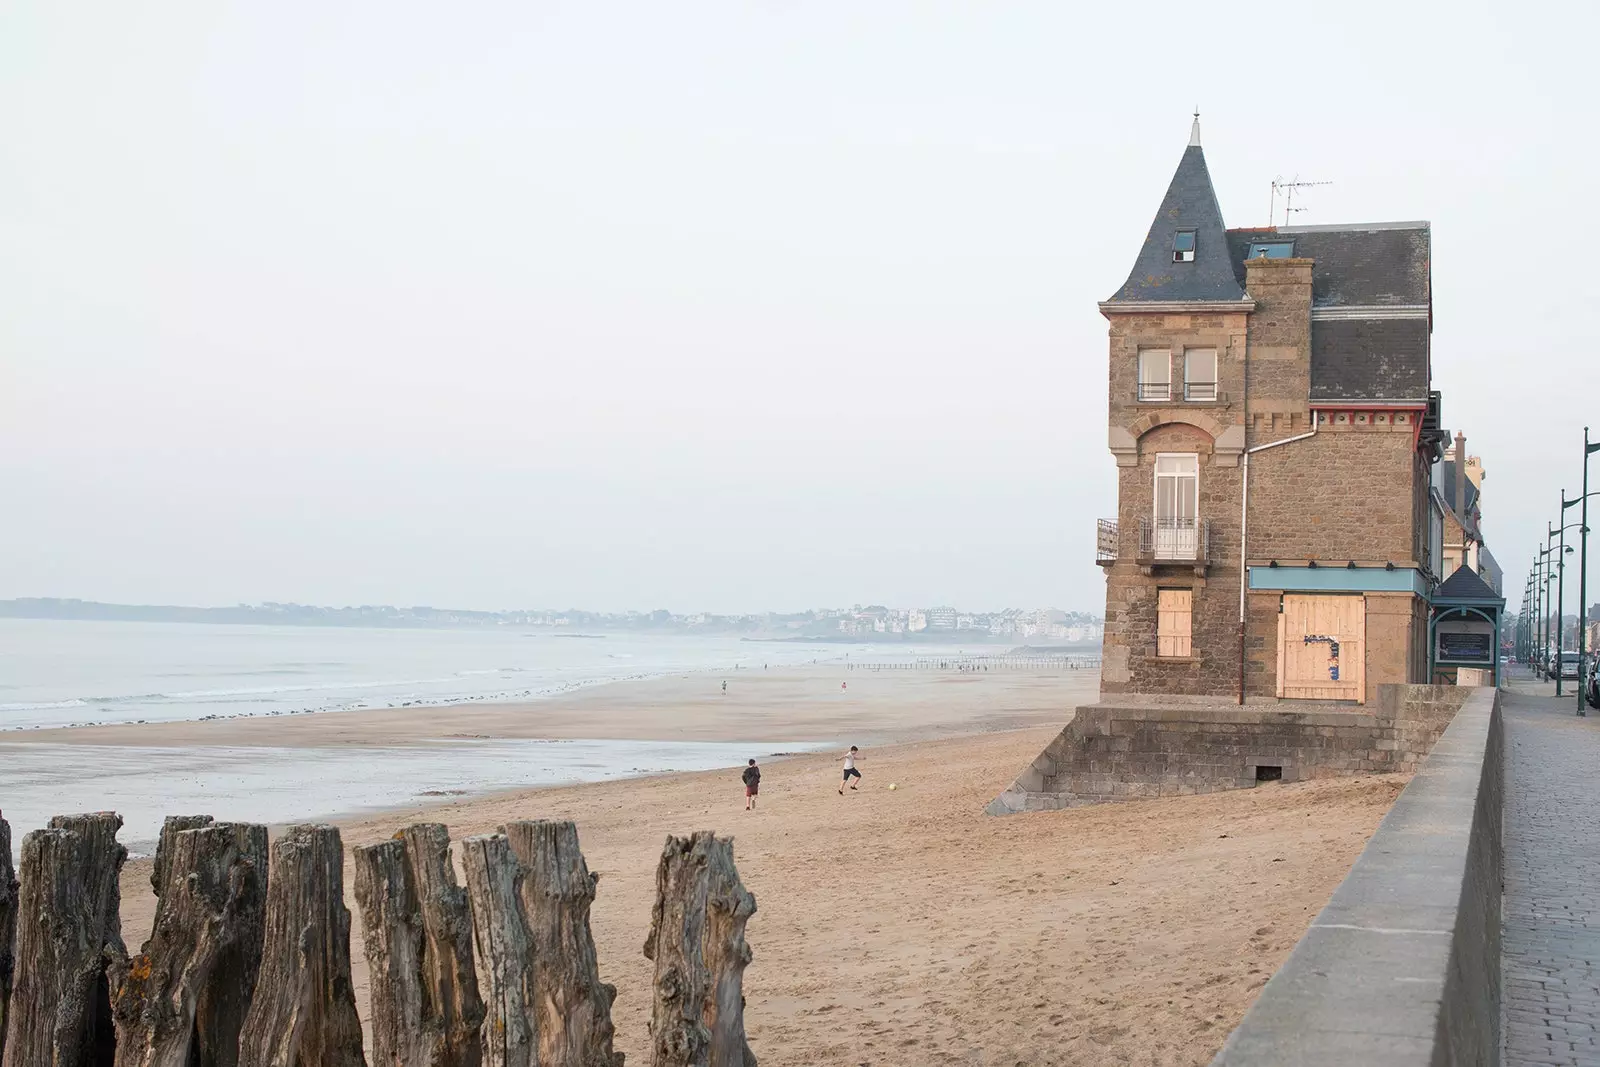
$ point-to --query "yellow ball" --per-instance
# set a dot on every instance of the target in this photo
(891, 785)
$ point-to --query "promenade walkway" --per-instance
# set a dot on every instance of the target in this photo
(1551, 910)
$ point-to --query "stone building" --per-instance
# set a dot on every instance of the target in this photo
(1274, 428)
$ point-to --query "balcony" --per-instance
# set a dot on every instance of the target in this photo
(1174, 542)
(1105, 542)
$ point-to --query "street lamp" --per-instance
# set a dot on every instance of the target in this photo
(1541, 603)
(1583, 561)
(1561, 587)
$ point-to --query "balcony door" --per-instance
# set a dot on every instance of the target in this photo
(1177, 505)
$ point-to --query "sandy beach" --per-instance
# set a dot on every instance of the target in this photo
(906, 927)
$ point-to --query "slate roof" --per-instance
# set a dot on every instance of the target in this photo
(1381, 264)
(1465, 584)
(1370, 359)
(1190, 204)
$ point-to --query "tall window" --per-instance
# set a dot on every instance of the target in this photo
(1177, 505)
(1155, 374)
(1200, 374)
(1174, 619)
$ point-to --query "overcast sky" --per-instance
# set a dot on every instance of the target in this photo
(706, 306)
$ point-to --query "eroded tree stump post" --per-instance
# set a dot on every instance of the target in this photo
(182, 1001)
(697, 943)
(572, 1006)
(8, 927)
(504, 950)
(303, 1013)
(426, 1011)
(531, 891)
(68, 932)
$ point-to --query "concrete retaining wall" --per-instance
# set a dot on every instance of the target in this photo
(1123, 751)
(1403, 965)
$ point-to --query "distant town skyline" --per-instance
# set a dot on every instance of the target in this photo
(862, 621)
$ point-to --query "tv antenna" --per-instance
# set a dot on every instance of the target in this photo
(1287, 188)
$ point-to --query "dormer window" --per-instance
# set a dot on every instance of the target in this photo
(1183, 246)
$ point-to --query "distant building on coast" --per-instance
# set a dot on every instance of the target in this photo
(1275, 430)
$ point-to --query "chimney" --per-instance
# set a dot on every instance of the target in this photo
(1461, 478)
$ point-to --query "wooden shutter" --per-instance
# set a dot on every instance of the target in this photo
(1174, 619)
(1322, 647)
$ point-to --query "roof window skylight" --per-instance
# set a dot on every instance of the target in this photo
(1271, 249)
(1183, 246)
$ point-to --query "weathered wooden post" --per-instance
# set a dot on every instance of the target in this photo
(697, 943)
(303, 1013)
(68, 931)
(182, 1001)
(504, 949)
(8, 927)
(426, 1011)
(531, 891)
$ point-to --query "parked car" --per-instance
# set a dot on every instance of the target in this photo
(1570, 667)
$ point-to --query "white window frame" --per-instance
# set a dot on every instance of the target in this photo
(1200, 391)
(1151, 391)
(1179, 537)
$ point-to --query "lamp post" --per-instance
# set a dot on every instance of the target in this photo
(1561, 582)
(1583, 562)
(1542, 595)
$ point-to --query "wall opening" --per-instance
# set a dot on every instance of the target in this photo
(1268, 773)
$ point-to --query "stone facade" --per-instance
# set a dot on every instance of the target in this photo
(1124, 751)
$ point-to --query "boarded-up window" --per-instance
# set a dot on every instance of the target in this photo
(1174, 612)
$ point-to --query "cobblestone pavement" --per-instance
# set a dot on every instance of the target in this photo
(1551, 912)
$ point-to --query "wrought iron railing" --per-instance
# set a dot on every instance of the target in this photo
(1105, 541)
(1155, 390)
(1199, 390)
(1175, 540)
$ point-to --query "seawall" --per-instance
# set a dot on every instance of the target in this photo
(1403, 965)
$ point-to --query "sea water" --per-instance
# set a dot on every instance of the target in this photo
(70, 673)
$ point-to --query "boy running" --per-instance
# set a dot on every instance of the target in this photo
(752, 785)
(850, 769)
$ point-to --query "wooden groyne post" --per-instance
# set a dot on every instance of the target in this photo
(181, 1002)
(303, 1013)
(8, 928)
(697, 943)
(426, 1011)
(69, 931)
(531, 892)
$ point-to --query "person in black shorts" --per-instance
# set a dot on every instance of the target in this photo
(850, 769)
(752, 785)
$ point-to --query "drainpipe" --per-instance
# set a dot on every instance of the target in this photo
(1244, 530)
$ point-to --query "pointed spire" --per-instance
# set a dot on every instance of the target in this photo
(1185, 256)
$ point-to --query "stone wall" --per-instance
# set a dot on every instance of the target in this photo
(1335, 497)
(1403, 966)
(1124, 751)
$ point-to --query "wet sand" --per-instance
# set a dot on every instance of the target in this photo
(823, 703)
(907, 928)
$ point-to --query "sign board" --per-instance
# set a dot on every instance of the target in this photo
(1466, 647)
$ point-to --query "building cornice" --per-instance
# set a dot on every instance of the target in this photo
(1370, 311)
(1174, 307)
